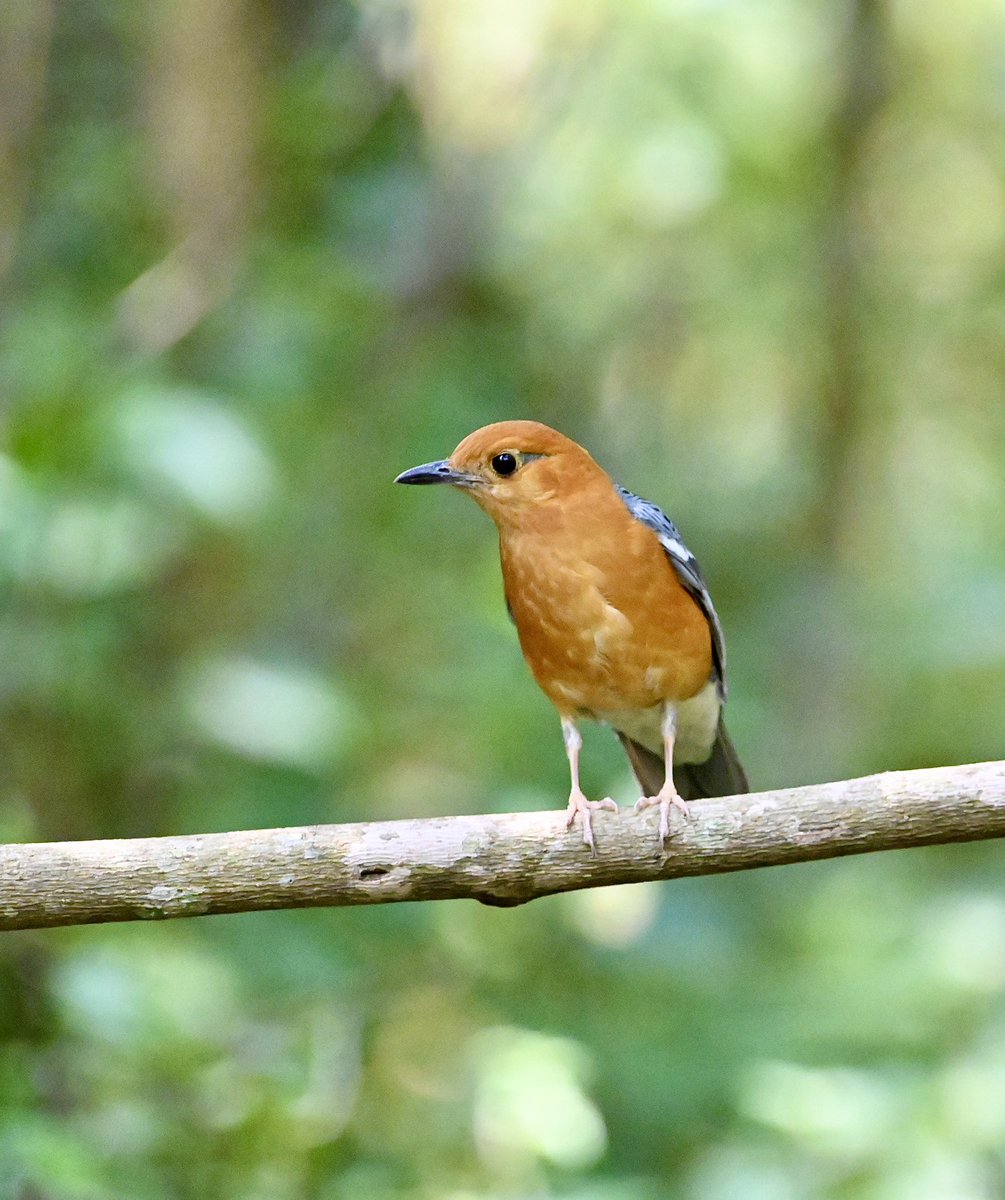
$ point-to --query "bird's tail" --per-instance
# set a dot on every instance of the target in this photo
(719, 775)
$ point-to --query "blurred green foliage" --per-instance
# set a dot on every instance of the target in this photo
(257, 258)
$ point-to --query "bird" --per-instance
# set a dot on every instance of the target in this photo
(611, 609)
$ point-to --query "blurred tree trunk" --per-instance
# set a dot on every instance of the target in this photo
(25, 36)
(201, 84)
(845, 423)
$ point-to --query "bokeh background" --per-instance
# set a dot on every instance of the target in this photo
(257, 257)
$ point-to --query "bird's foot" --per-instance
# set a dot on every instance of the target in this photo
(667, 798)
(579, 805)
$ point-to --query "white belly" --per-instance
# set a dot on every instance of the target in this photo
(697, 721)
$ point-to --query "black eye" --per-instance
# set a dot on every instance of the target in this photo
(504, 464)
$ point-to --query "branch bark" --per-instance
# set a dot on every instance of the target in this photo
(504, 859)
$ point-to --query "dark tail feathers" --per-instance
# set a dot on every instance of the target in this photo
(719, 775)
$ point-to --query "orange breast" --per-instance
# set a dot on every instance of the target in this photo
(603, 619)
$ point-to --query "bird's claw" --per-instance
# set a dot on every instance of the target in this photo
(579, 805)
(668, 798)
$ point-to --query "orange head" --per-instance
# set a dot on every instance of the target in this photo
(512, 468)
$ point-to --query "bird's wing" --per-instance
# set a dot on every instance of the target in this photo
(688, 572)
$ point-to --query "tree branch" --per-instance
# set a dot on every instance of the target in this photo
(505, 859)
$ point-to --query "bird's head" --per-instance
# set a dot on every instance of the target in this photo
(510, 467)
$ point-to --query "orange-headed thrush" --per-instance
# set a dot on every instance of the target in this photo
(612, 611)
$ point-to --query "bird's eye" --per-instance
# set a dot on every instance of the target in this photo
(504, 464)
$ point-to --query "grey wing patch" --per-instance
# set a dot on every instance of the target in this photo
(688, 571)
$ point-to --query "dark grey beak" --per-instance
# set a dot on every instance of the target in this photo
(435, 472)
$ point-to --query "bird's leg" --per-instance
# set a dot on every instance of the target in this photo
(667, 797)
(578, 803)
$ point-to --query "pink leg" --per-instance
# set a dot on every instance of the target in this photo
(668, 796)
(578, 803)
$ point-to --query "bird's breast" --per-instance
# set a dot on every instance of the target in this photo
(605, 624)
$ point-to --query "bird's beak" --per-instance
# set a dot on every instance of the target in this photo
(437, 472)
